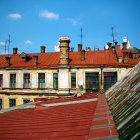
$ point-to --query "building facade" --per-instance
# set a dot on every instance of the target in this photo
(24, 77)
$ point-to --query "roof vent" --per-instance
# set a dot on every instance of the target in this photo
(22, 56)
(88, 49)
(96, 48)
(7, 60)
(83, 55)
(35, 60)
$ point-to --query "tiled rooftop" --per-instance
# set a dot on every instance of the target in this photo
(75, 118)
(92, 58)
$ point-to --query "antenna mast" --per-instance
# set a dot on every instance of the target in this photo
(112, 28)
(9, 41)
(81, 35)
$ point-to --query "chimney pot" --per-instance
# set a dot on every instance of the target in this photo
(7, 60)
(124, 45)
(64, 50)
(79, 47)
(125, 56)
(42, 49)
(110, 46)
(15, 50)
(82, 54)
(116, 42)
(35, 60)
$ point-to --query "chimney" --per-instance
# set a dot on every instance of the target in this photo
(64, 50)
(109, 45)
(116, 42)
(42, 49)
(79, 47)
(35, 60)
(72, 49)
(15, 50)
(83, 55)
(125, 56)
(124, 45)
(7, 60)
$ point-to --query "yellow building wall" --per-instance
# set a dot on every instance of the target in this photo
(80, 75)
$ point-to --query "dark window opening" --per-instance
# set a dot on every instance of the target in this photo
(92, 82)
(12, 80)
(0, 103)
(1, 80)
(41, 80)
(73, 80)
(26, 101)
(110, 78)
(26, 80)
(55, 80)
(12, 102)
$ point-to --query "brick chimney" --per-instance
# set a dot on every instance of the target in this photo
(79, 47)
(35, 60)
(64, 50)
(82, 54)
(42, 49)
(116, 42)
(125, 56)
(110, 46)
(15, 50)
(7, 60)
(124, 46)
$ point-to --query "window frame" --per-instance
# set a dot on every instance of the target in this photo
(73, 80)
(106, 74)
(1, 105)
(42, 79)
(28, 79)
(94, 74)
(54, 81)
(13, 80)
(1, 80)
(12, 103)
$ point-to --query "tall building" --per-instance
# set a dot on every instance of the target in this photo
(26, 76)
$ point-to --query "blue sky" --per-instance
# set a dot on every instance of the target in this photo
(32, 23)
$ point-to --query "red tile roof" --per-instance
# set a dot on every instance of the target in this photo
(74, 118)
(104, 57)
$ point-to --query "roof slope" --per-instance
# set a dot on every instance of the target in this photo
(124, 102)
(75, 118)
(105, 57)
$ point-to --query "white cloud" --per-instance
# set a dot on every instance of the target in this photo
(48, 15)
(14, 16)
(2, 43)
(73, 21)
(28, 42)
(4, 52)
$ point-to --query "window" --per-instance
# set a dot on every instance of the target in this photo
(26, 101)
(26, 80)
(92, 82)
(73, 80)
(1, 80)
(41, 80)
(0, 103)
(110, 78)
(55, 80)
(12, 80)
(12, 102)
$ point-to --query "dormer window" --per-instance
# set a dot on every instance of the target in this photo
(22, 56)
(135, 52)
